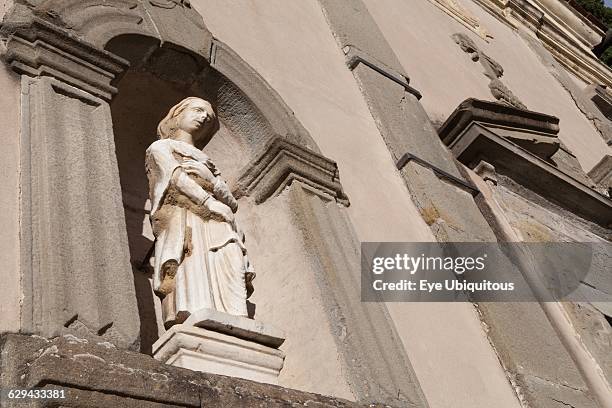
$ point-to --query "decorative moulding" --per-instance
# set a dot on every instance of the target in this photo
(565, 32)
(237, 326)
(601, 97)
(602, 172)
(533, 131)
(219, 343)
(212, 352)
(492, 70)
(472, 141)
(42, 49)
(282, 162)
(457, 11)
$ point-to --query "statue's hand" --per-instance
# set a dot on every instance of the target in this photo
(223, 194)
(220, 209)
(196, 168)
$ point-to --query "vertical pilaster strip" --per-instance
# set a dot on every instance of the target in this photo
(404, 125)
(450, 211)
(78, 274)
(378, 369)
(374, 361)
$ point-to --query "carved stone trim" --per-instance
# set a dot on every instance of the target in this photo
(170, 4)
(94, 373)
(280, 163)
(492, 70)
(42, 49)
(280, 117)
(464, 185)
(458, 12)
(533, 131)
(602, 173)
(73, 232)
(486, 171)
(564, 32)
(478, 143)
(602, 98)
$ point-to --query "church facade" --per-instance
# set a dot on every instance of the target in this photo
(338, 122)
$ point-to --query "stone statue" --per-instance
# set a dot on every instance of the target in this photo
(200, 259)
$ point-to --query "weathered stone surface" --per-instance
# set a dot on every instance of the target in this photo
(374, 361)
(602, 172)
(533, 131)
(280, 163)
(601, 97)
(213, 352)
(479, 143)
(583, 100)
(547, 373)
(238, 82)
(456, 10)
(76, 272)
(406, 128)
(410, 132)
(10, 290)
(37, 47)
(178, 23)
(594, 328)
(95, 374)
(492, 70)
(554, 23)
(237, 326)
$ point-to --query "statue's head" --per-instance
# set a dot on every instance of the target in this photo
(192, 115)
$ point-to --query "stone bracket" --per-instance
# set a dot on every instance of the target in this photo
(469, 187)
(602, 99)
(602, 173)
(533, 131)
(354, 57)
(480, 143)
(42, 49)
(282, 162)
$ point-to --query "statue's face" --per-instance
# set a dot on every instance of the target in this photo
(195, 117)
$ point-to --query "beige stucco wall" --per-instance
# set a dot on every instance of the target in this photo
(9, 201)
(287, 296)
(420, 33)
(291, 46)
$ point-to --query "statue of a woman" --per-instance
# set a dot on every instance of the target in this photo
(200, 260)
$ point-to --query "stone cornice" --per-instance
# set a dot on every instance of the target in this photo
(565, 32)
(282, 162)
(491, 113)
(39, 48)
(457, 11)
(477, 143)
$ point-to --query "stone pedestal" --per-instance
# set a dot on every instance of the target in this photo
(218, 343)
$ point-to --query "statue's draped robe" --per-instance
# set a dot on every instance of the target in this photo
(209, 252)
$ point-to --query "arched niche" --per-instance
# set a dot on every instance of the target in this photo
(119, 66)
(159, 77)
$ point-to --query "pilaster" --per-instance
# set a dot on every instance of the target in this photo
(76, 275)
